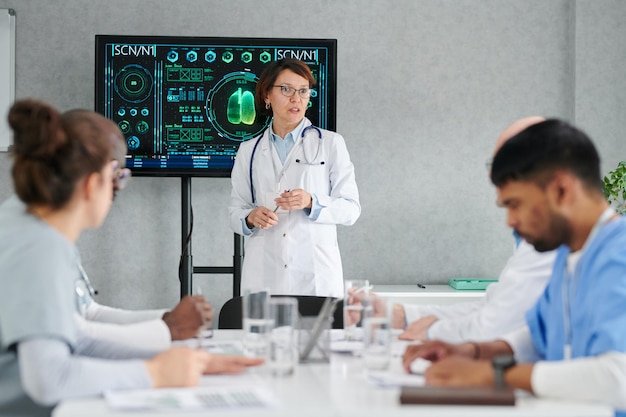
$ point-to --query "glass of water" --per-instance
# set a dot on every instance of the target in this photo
(257, 323)
(377, 335)
(204, 331)
(283, 354)
(356, 294)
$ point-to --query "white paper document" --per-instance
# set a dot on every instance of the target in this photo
(393, 378)
(223, 348)
(337, 345)
(191, 399)
(396, 376)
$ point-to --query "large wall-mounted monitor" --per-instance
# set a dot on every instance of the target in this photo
(184, 104)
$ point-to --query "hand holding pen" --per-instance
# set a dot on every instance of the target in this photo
(187, 317)
(356, 294)
(262, 218)
(276, 200)
(294, 200)
(206, 315)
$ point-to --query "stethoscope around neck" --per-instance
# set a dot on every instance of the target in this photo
(85, 279)
(306, 160)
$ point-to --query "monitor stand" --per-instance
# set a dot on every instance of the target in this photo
(186, 268)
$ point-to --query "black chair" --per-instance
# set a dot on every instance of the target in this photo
(308, 305)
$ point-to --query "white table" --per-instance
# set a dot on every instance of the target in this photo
(341, 389)
(432, 294)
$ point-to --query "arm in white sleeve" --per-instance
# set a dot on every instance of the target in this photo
(520, 284)
(316, 208)
(241, 201)
(50, 373)
(416, 311)
(144, 330)
(601, 378)
(122, 341)
(98, 312)
(342, 205)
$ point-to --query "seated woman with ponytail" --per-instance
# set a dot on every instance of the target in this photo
(66, 169)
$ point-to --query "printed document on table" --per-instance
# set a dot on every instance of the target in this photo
(221, 347)
(204, 398)
(395, 376)
(338, 344)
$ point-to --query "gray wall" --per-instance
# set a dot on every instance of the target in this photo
(424, 88)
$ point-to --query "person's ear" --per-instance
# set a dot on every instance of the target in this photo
(91, 184)
(561, 188)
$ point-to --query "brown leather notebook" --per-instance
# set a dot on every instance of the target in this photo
(457, 396)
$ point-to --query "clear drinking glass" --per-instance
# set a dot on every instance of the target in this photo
(283, 354)
(377, 335)
(257, 323)
(204, 331)
(355, 293)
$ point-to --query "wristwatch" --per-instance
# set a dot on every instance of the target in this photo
(500, 364)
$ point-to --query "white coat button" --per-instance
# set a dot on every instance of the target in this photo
(284, 234)
(285, 266)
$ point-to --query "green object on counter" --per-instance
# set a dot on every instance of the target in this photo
(470, 283)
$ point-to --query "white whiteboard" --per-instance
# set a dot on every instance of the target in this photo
(7, 73)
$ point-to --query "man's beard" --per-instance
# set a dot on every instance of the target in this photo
(559, 233)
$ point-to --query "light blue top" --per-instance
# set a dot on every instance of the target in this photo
(591, 302)
(39, 304)
(284, 145)
(37, 275)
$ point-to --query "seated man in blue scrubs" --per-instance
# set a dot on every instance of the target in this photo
(548, 179)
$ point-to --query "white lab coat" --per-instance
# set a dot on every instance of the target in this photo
(141, 330)
(298, 256)
(520, 284)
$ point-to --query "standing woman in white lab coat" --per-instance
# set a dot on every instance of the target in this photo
(291, 187)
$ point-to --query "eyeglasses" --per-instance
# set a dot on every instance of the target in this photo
(121, 176)
(290, 91)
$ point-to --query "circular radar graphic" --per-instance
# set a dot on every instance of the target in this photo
(237, 120)
(133, 83)
(133, 143)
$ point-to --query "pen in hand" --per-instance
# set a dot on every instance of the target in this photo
(366, 288)
(206, 324)
(276, 209)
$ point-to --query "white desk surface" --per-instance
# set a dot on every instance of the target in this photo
(341, 389)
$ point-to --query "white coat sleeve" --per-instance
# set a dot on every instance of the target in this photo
(601, 378)
(342, 206)
(128, 340)
(105, 314)
(240, 196)
(520, 284)
(414, 312)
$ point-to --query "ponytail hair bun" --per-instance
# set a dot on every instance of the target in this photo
(53, 151)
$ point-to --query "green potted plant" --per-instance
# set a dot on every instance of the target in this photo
(615, 187)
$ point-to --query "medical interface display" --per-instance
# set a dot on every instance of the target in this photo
(184, 104)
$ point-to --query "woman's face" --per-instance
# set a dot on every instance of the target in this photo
(288, 111)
